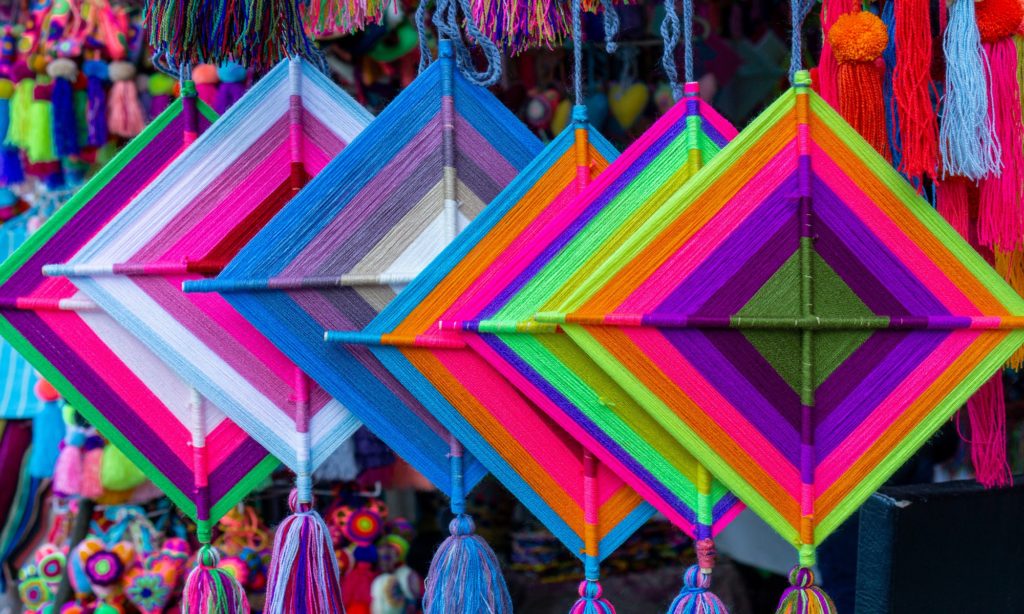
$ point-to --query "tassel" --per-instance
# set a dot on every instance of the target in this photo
(695, 598)
(11, 171)
(858, 40)
(357, 584)
(20, 122)
(206, 79)
(124, 111)
(211, 590)
(826, 77)
(803, 596)
(986, 410)
(591, 600)
(303, 575)
(892, 120)
(40, 146)
(232, 85)
(464, 575)
(912, 88)
(953, 204)
(967, 138)
(68, 471)
(96, 73)
(64, 72)
(92, 463)
(1001, 207)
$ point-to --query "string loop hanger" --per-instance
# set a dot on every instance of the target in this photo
(446, 18)
(799, 9)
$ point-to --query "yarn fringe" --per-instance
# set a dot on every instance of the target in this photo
(211, 590)
(986, 410)
(1001, 205)
(952, 201)
(303, 575)
(20, 121)
(65, 124)
(464, 575)
(695, 598)
(255, 33)
(861, 103)
(803, 596)
(40, 135)
(519, 25)
(328, 18)
(96, 107)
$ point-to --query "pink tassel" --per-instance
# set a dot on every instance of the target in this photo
(986, 410)
(67, 474)
(92, 486)
(124, 111)
(1001, 206)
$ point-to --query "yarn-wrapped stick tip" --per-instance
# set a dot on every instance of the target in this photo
(212, 590)
(592, 600)
(303, 575)
(464, 575)
(803, 596)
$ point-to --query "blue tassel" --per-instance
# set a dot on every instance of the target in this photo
(11, 170)
(695, 598)
(465, 575)
(65, 124)
(967, 136)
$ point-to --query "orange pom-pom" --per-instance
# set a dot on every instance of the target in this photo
(205, 74)
(858, 37)
(998, 19)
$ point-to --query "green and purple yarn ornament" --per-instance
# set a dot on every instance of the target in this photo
(149, 591)
(34, 593)
(104, 568)
(803, 596)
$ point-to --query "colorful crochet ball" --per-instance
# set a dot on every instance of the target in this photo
(237, 567)
(104, 568)
(34, 593)
(149, 591)
(51, 567)
(998, 19)
(363, 527)
(858, 37)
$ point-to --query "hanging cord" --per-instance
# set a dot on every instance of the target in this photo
(799, 9)
(421, 29)
(446, 20)
(577, 52)
(687, 40)
(670, 36)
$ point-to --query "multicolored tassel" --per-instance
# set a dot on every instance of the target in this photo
(210, 589)
(464, 575)
(803, 596)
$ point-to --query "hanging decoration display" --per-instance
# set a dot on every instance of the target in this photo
(863, 321)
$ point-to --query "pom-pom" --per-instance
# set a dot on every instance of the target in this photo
(858, 37)
(232, 72)
(205, 74)
(6, 89)
(62, 68)
(464, 575)
(211, 590)
(161, 85)
(591, 600)
(121, 71)
(998, 19)
(45, 392)
(695, 598)
(303, 574)
(117, 472)
(803, 596)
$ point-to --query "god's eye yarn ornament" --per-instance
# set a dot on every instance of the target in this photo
(191, 220)
(98, 366)
(799, 318)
